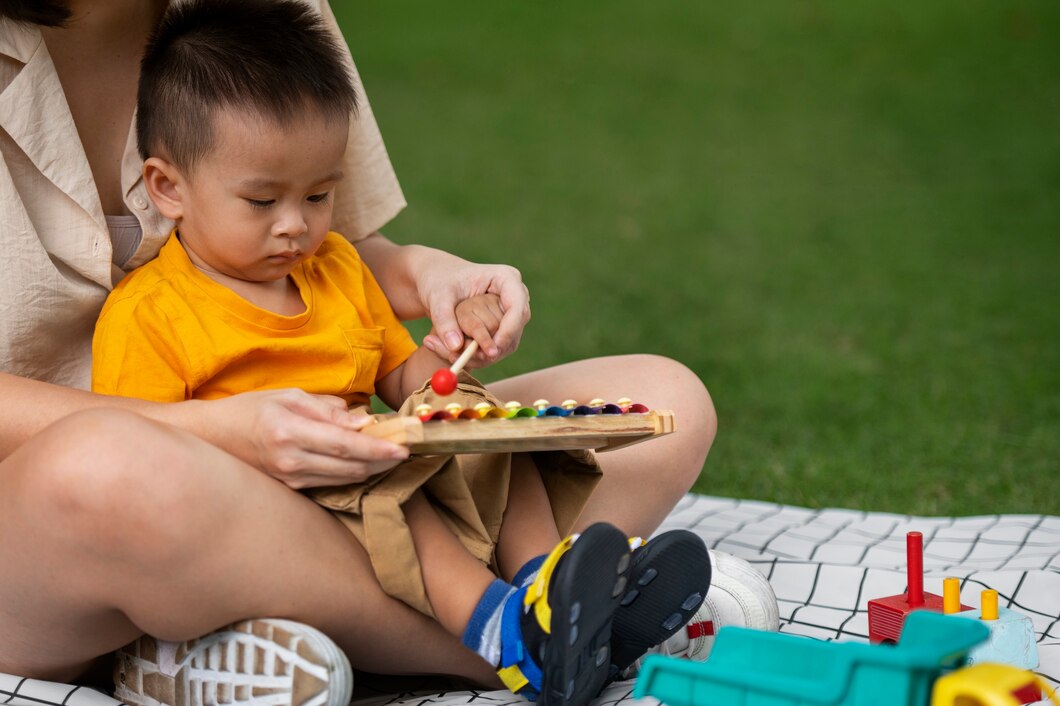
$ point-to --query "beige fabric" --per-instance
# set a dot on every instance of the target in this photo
(52, 228)
(469, 492)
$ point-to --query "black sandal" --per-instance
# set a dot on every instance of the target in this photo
(668, 581)
(556, 632)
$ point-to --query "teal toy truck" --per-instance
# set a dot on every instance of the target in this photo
(755, 668)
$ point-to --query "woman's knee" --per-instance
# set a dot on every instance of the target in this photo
(105, 473)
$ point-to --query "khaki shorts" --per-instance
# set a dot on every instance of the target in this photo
(469, 492)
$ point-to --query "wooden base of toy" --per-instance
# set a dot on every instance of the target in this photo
(600, 432)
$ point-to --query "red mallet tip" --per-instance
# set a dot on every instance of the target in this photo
(443, 382)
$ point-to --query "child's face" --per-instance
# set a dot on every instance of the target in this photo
(260, 202)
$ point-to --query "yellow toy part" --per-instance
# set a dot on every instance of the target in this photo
(988, 685)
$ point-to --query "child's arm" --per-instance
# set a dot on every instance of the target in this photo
(480, 316)
(408, 377)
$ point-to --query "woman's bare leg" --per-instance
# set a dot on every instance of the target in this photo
(114, 525)
(664, 467)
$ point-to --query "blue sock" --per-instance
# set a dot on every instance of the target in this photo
(483, 631)
(528, 573)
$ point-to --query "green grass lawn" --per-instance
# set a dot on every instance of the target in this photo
(844, 216)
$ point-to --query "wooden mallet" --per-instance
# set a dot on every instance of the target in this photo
(443, 382)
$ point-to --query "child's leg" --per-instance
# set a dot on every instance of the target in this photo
(669, 577)
(455, 580)
(529, 530)
(550, 638)
(564, 619)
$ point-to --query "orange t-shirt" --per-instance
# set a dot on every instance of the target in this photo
(168, 332)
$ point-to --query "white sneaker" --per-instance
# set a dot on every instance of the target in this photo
(739, 595)
(253, 663)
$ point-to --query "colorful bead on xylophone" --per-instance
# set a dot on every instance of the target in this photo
(540, 408)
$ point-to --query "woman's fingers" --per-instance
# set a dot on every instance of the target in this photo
(434, 344)
(312, 470)
(328, 408)
(515, 304)
(304, 440)
(443, 320)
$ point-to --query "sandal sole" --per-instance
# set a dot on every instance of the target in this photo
(669, 578)
(584, 593)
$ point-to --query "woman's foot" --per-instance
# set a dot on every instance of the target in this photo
(252, 662)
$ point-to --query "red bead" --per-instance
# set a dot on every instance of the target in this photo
(443, 382)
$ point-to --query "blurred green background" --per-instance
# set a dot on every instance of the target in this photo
(843, 215)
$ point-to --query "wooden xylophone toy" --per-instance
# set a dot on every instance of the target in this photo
(543, 426)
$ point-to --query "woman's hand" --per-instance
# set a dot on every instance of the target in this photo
(299, 439)
(421, 281)
(444, 288)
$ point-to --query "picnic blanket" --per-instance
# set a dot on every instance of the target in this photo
(824, 566)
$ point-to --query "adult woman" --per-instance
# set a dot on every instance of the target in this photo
(167, 519)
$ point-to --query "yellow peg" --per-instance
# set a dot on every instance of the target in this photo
(540, 405)
(988, 607)
(569, 404)
(951, 595)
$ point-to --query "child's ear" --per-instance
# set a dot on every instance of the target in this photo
(165, 185)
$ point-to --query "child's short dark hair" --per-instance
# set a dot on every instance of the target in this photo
(47, 13)
(273, 57)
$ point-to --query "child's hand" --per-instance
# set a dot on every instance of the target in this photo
(479, 317)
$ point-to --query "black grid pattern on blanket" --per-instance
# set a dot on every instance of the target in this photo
(824, 566)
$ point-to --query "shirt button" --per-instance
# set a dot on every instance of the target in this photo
(140, 202)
